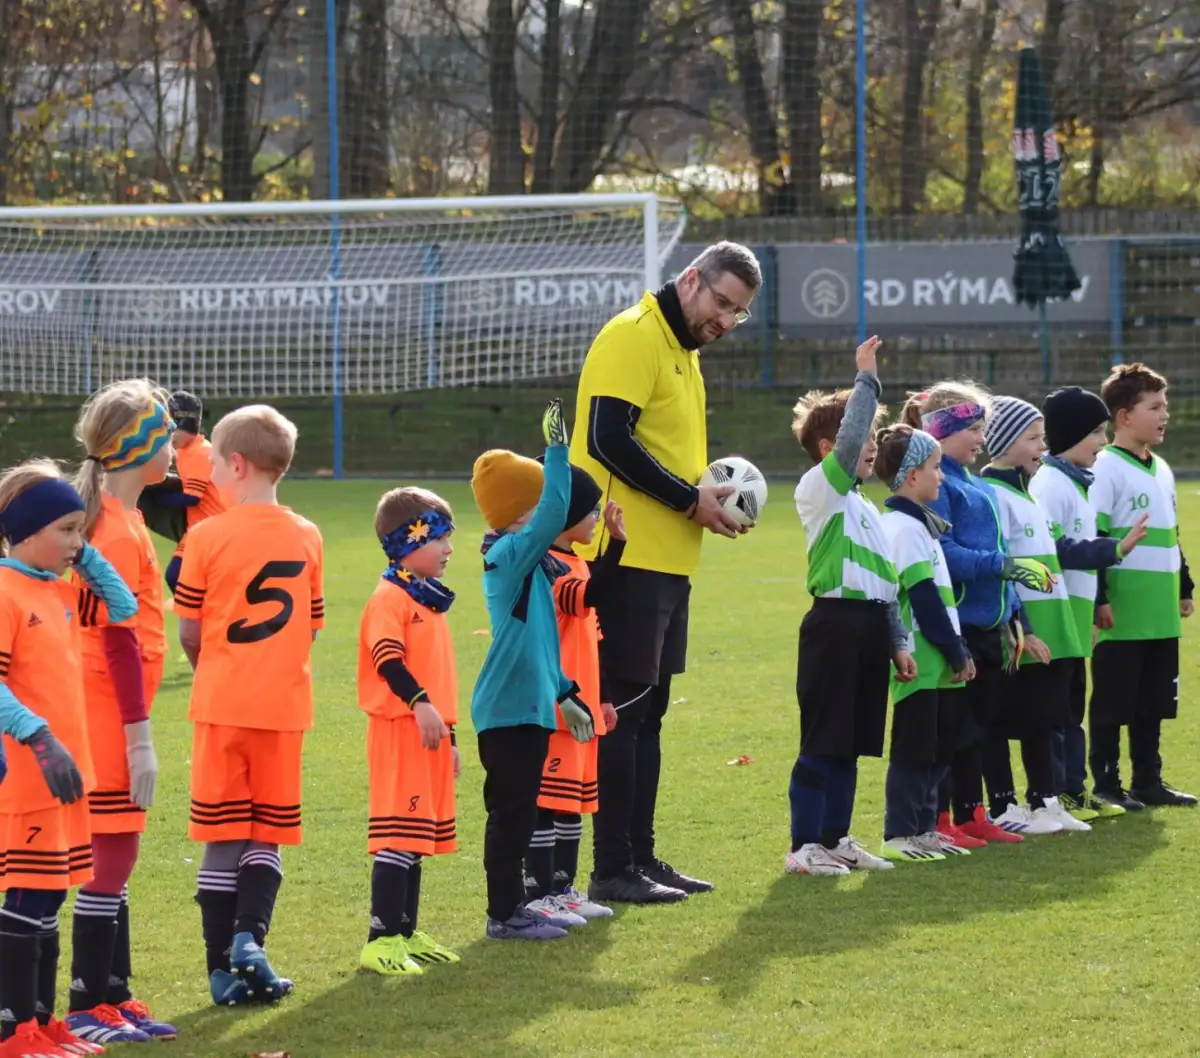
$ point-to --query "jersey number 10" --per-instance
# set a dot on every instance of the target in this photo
(257, 592)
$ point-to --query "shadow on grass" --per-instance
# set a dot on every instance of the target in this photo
(477, 1007)
(803, 916)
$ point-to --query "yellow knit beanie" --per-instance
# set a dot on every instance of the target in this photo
(506, 485)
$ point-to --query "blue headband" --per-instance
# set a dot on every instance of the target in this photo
(37, 507)
(920, 447)
(415, 534)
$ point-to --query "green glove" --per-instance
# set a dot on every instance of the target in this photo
(578, 718)
(1034, 575)
(554, 429)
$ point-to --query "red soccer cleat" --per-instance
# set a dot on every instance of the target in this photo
(957, 835)
(980, 827)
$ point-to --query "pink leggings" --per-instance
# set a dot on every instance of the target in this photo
(114, 857)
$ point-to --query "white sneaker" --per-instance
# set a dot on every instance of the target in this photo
(911, 849)
(851, 853)
(555, 912)
(944, 844)
(814, 859)
(1021, 819)
(578, 904)
(1057, 811)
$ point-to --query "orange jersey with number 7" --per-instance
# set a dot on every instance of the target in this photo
(252, 577)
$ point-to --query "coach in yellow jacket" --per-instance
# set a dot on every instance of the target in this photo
(641, 433)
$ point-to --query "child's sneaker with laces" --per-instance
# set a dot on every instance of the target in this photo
(983, 827)
(946, 845)
(104, 1024)
(229, 991)
(1021, 819)
(857, 858)
(30, 1041)
(814, 859)
(1057, 811)
(556, 912)
(910, 849)
(138, 1015)
(524, 925)
(390, 957)
(427, 951)
(956, 835)
(1081, 808)
(578, 903)
(66, 1041)
(248, 960)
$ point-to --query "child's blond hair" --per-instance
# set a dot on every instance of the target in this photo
(261, 435)
(19, 479)
(399, 506)
(817, 416)
(105, 416)
(944, 395)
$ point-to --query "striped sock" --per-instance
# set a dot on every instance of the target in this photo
(568, 832)
(539, 859)
(217, 895)
(47, 974)
(390, 877)
(93, 934)
(260, 873)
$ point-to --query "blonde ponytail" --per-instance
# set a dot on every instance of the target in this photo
(104, 418)
(19, 479)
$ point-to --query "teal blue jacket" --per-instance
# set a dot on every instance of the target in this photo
(522, 679)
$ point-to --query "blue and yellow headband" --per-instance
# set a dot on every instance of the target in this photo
(920, 447)
(141, 442)
(415, 534)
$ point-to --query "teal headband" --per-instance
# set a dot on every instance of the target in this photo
(920, 447)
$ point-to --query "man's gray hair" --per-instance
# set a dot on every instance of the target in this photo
(729, 257)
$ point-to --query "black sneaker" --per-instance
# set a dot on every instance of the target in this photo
(1119, 797)
(632, 887)
(665, 874)
(1163, 795)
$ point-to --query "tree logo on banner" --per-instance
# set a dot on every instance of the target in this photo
(825, 294)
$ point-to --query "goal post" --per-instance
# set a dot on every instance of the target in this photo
(264, 300)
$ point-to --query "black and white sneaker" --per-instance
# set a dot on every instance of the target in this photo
(632, 887)
(1162, 795)
(1117, 796)
(665, 874)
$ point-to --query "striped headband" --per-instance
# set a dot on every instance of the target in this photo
(946, 421)
(141, 442)
(920, 447)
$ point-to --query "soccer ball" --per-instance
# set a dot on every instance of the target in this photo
(749, 497)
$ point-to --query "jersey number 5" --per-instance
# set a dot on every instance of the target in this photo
(256, 593)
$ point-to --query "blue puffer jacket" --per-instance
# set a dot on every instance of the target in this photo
(975, 548)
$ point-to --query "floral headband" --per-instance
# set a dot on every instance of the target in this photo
(920, 447)
(944, 422)
(415, 534)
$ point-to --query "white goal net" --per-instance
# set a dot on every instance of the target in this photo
(265, 300)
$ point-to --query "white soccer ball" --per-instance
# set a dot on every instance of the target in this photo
(749, 495)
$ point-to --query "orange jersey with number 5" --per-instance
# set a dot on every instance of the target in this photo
(252, 577)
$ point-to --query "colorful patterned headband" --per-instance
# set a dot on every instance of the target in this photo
(415, 534)
(141, 442)
(920, 447)
(942, 423)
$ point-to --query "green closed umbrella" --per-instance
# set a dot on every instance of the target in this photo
(1043, 271)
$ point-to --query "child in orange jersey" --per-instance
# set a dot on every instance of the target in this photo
(250, 603)
(408, 686)
(125, 432)
(45, 839)
(193, 461)
(569, 784)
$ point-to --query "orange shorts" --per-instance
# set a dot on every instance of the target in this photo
(112, 811)
(49, 849)
(411, 802)
(569, 782)
(245, 785)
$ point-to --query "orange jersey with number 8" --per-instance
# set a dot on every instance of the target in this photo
(252, 577)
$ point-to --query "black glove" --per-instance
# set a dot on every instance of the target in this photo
(58, 769)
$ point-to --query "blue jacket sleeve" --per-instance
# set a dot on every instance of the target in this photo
(963, 563)
(176, 499)
(527, 547)
(99, 575)
(1099, 553)
(16, 719)
(934, 621)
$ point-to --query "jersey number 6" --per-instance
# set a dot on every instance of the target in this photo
(256, 593)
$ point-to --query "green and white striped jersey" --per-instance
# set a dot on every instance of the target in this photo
(1144, 589)
(1065, 501)
(918, 557)
(1030, 534)
(847, 549)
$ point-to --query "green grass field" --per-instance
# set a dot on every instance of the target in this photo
(1075, 945)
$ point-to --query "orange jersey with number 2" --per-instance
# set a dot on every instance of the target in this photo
(252, 577)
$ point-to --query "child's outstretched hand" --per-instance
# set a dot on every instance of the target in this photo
(614, 521)
(430, 723)
(1136, 534)
(554, 427)
(864, 355)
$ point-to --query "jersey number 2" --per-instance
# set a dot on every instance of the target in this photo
(256, 593)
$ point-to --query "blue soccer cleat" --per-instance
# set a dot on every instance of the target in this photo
(103, 1025)
(248, 960)
(230, 991)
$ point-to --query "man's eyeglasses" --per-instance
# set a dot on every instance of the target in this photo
(724, 305)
